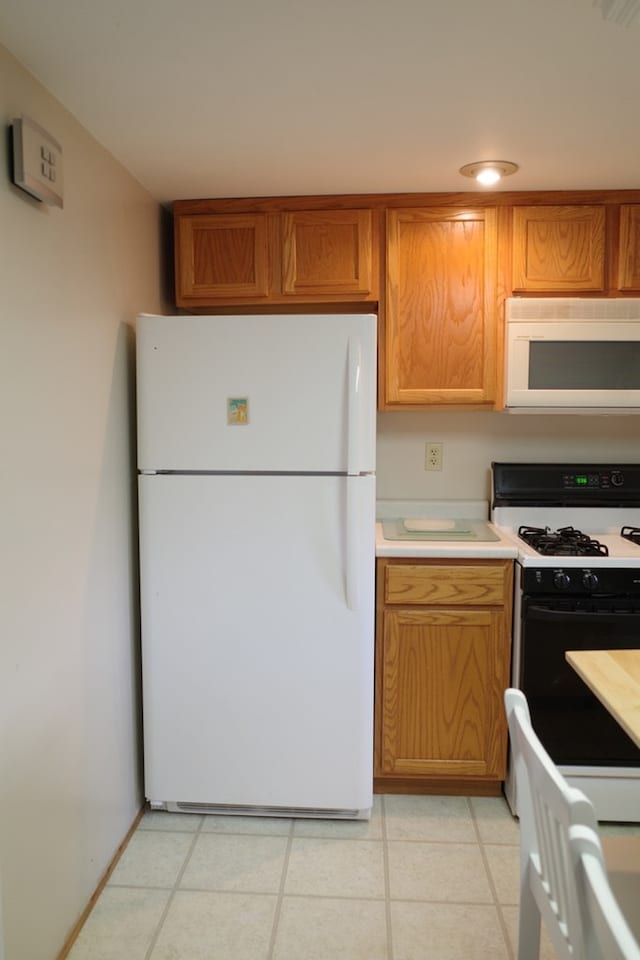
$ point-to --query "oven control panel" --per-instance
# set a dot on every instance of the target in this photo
(565, 484)
(581, 581)
(602, 480)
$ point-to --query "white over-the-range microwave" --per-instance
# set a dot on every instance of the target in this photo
(572, 353)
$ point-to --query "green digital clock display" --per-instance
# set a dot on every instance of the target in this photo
(581, 481)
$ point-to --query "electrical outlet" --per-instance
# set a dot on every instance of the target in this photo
(433, 456)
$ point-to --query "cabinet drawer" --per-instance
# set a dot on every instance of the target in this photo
(439, 584)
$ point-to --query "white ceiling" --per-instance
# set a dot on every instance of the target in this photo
(223, 98)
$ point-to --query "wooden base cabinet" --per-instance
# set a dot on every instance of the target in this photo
(443, 646)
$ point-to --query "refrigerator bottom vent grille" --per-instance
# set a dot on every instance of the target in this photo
(258, 811)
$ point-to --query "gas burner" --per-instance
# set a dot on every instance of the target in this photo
(631, 533)
(564, 542)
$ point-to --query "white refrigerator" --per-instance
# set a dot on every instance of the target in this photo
(256, 460)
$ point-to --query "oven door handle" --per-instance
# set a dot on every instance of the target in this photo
(579, 616)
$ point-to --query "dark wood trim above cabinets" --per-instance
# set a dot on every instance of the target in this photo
(436, 267)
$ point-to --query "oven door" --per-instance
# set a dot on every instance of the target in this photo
(571, 722)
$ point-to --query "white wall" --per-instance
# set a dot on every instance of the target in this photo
(71, 283)
(472, 440)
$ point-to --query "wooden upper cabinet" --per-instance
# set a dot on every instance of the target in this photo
(221, 257)
(264, 257)
(441, 316)
(629, 251)
(559, 248)
(327, 252)
(451, 260)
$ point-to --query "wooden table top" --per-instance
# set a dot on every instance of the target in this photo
(614, 677)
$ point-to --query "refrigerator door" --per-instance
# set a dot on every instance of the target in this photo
(263, 393)
(258, 640)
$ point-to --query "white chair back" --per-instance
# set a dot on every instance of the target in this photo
(606, 934)
(548, 807)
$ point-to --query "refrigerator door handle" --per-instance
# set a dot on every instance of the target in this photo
(352, 584)
(354, 403)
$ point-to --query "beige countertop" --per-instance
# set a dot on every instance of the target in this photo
(502, 548)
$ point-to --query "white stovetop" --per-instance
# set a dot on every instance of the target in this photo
(602, 524)
(503, 548)
(622, 553)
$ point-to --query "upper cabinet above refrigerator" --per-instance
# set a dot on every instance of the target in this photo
(274, 256)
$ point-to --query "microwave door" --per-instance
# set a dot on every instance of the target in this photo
(564, 365)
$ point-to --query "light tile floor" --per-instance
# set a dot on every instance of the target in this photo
(427, 878)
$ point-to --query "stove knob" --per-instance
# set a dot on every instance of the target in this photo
(589, 581)
(617, 478)
(561, 581)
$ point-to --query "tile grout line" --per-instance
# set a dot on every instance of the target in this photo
(494, 892)
(387, 879)
(156, 934)
(280, 895)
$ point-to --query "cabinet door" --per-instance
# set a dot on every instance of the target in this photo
(558, 248)
(327, 252)
(220, 257)
(629, 257)
(440, 343)
(443, 675)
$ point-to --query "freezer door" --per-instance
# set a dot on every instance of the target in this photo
(265, 393)
(258, 640)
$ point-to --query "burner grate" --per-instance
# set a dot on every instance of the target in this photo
(631, 533)
(564, 542)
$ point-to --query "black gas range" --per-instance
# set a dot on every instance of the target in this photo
(577, 530)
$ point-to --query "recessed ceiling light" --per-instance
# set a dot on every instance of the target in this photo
(488, 172)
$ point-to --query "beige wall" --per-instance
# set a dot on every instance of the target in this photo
(471, 441)
(71, 283)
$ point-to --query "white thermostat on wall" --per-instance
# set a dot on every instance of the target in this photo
(37, 162)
